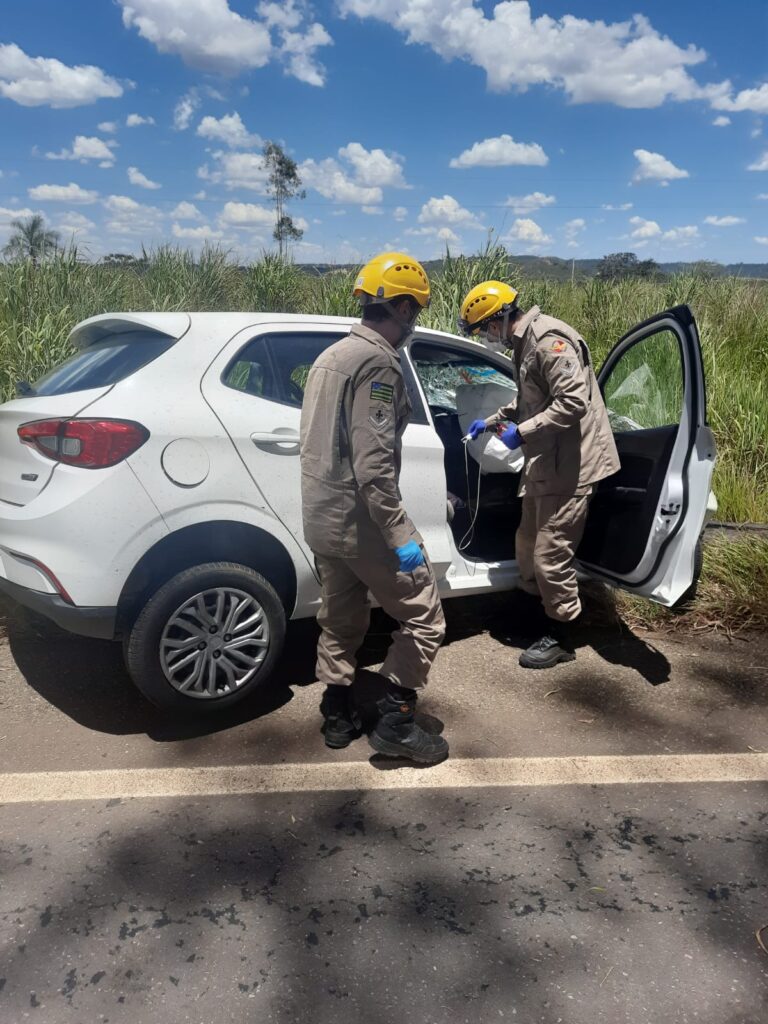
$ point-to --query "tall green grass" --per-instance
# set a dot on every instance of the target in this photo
(39, 306)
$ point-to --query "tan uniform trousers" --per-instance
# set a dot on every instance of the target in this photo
(550, 530)
(409, 597)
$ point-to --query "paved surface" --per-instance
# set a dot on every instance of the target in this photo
(447, 900)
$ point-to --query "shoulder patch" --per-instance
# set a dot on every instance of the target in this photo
(381, 392)
(560, 346)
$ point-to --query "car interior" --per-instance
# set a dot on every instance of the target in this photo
(442, 373)
(644, 395)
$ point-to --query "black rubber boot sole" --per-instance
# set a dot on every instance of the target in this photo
(389, 749)
(526, 662)
(339, 740)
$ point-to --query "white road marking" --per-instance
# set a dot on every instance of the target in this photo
(42, 787)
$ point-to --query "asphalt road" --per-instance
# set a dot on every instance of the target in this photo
(439, 895)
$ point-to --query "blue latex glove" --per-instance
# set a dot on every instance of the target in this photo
(476, 428)
(410, 555)
(511, 437)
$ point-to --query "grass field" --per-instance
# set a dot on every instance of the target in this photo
(39, 306)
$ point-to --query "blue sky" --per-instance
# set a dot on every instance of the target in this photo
(568, 129)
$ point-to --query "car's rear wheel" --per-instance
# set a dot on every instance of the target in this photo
(209, 637)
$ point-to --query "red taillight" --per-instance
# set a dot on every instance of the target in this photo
(90, 444)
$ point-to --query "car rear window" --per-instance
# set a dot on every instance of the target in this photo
(103, 363)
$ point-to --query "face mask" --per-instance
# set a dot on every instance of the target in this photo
(497, 342)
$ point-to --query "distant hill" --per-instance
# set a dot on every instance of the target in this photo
(555, 269)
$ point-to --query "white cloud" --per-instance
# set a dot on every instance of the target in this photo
(136, 120)
(755, 100)
(284, 15)
(655, 167)
(247, 215)
(108, 127)
(724, 222)
(374, 167)
(129, 218)
(141, 180)
(644, 228)
(45, 81)
(185, 109)
(445, 211)
(372, 211)
(627, 63)
(761, 239)
(763, 195)
(400, 213)
(527, 232)
(210, 36)
(362, 182)
(237, 170)
(6, 215)
(761, 164)
(73, 224)
(502, 151)
(443, 234)
(70, 193)
(329, 179)
(228, 129)
(530, 203)
(682, 235)
(721, 122)
(574, 227)
(207, 34)
(86, 148)
(621, 206)
(203, 233)
(298, 49)
(186, 211)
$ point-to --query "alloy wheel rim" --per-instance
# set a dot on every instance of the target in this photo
(214, 643)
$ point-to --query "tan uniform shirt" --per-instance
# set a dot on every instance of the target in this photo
(353, 416)
(567, 439)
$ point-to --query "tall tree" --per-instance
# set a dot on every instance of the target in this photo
(31, 240)
(283, 184)
(625, 264)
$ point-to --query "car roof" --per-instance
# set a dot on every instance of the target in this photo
(176, 325)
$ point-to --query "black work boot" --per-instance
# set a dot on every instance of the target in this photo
(342, 723)
(550, 649)
(396, 733)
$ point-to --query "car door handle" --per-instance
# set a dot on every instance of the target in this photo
(285, 441)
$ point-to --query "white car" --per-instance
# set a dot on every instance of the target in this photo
(149, 486)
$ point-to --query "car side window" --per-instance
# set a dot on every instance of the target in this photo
(645, 389)
(276, 366)
(443, 371)
(292, 359)
(250, 371)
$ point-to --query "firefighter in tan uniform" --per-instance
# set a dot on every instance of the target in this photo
(560, 423)
(353, 416)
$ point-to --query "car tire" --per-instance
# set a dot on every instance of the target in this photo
(177, 623)
(685, 602)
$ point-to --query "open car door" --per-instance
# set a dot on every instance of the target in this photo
(645, 521)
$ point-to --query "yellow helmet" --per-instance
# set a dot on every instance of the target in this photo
(485, 301)
(389, 275)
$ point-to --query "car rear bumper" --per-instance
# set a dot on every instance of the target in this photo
(93, 622)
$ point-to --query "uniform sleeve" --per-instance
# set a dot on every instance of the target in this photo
(373, 437)
(506, 412)
(563, 375)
